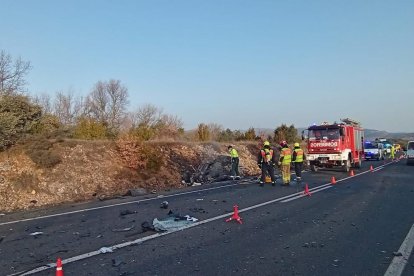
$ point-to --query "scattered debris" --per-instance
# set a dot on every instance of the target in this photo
(164, 204)
(200, 199)
(146, 226)
(106, 250)
(34, 201)
(2, 238)
(196, 184)
(127, 212)
(137, 192)
(124, 229)
(34, 234)
(116, 262)
(197, 210)
(99, 236)
(153, 191)
(306, 245)
(397, 254)
(1, 214)
(173, 222)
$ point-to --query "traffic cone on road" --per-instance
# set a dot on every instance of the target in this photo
(235, 215)
(352, 173)
(306, 191)
(371, 168)
(59, 269)
(333, 180)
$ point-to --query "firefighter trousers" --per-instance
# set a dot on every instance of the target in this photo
(268, 169)
(286, 173)
(298, 169)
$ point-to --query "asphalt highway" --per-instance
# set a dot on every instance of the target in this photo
(362, 225)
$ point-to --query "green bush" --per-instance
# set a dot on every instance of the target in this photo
(89, 129)
(46, 125)
(17, 116)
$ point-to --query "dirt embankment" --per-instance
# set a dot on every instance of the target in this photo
(90, 170)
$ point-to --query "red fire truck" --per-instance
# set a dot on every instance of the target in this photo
(332, 145)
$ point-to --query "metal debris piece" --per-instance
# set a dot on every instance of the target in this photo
(124, 229)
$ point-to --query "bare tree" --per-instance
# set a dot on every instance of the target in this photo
(45, 102)
(147, 115)
(107, 103)
(67, 107)
(215, 130)
(12, 74)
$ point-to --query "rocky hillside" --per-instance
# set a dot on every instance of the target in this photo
(69, 171)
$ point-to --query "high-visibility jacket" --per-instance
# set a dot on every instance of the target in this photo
(233, 153)
(298, 154)
(267, 155)
(286, 156)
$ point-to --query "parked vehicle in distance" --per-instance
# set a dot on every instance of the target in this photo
(397, 147)
(410, 152)
(373, 150)
(386, 143)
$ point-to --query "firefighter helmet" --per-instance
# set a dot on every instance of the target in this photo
(296, 145)
(266, 143)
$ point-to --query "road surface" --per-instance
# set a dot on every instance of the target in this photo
(359, 226)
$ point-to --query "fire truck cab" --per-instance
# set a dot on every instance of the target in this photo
(335, 145)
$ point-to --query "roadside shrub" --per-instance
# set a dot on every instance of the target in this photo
(46, 125)
(203, 132)
(40, 150)
(89, 129)
(25, 182)
(138, 155)
(17, 116)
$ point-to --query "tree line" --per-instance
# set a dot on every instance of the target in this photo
(102, 114)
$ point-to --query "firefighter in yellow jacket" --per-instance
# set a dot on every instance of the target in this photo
(297, 158)
(234, 163)
(284, 161)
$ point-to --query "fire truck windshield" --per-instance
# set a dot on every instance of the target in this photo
(324, 134)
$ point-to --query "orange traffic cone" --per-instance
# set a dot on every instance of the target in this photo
(59, 269)
(333, 181)
(352, 173)
(371, 168)
(235, 215)
(306, 191)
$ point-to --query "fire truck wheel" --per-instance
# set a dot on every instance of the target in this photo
(313, 168)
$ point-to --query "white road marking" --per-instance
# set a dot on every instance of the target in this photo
(157, 235)
(398, 264)
(144, 200)
(120, 204)
(144, 239)
(303, 195)
(115, 205)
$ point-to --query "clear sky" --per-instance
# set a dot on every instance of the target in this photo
(237, 63)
